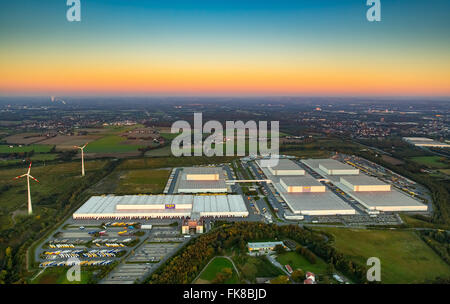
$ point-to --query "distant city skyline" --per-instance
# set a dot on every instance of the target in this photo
(225, 48)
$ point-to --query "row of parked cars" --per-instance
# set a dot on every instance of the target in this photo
(71, 263)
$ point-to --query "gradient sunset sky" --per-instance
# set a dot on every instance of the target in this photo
(232, 47)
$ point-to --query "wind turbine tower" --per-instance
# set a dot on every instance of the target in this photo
(30, 208)
(82, 157)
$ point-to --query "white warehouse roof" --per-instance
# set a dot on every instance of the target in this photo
(162, 205)
(306, 180)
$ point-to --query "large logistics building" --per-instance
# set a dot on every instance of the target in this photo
(368, 191)
(334, 167)
(304, 195)
(286, 167)
(425, 142)
(201, 180)
(360, 183)
(301, 184)
(161, 206)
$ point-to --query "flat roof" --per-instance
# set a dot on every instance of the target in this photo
(393, 198)
(200, 203)
(264, 244)
(332, 164)
(195, 184)
(286, 164)
(315, 201)
(202, 170)
(302, 180)
(363, 180)
(219, 203)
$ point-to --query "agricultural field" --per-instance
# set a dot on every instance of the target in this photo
(64, 142)
(25, 138)
(53, 180)
(5, 149)
(404, 257)
(168, 162)
(164, 151)
(433, 162)
(142, 181)
(111, 144)
(214, 267)
(296, 261)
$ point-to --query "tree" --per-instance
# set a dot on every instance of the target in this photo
(279, 249)
(330, 269)
(282, 279)
(298, 275)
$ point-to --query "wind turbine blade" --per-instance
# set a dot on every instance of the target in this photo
(85, 145)
(77, 147)
(29, 168)
(20, 176)
(33, 178)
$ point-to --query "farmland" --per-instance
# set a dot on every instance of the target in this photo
(4, 149)
(404, 257)
(142, 181)
(54, 180)
(110, 144)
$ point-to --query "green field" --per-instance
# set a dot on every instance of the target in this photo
(164, 151)
(110, 144)
(297, 261)
(216, 266)
(404, 257)
(16, 149)
(58, 275)
(434, 162)
(53, 180)
(168, 162)
(34, 158)
(143, 181)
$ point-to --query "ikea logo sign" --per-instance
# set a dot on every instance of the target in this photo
(170, 206)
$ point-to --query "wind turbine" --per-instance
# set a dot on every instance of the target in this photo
(30, 209)
(82, 157)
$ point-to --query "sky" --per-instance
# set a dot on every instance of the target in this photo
(221, 48)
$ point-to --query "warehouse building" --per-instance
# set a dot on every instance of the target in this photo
(388, 201)
(161, 206)
(301, 184)
(286, 167)
(201, 180)
(316, 203)
(264, 246)
(334, 167)
(360, 183)
(371, 193)
(425, 142)
(202, 173)
(304, 195)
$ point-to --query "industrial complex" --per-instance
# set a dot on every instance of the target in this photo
(161, 206)
(303, 194)
(425, 142)
(368, 191)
